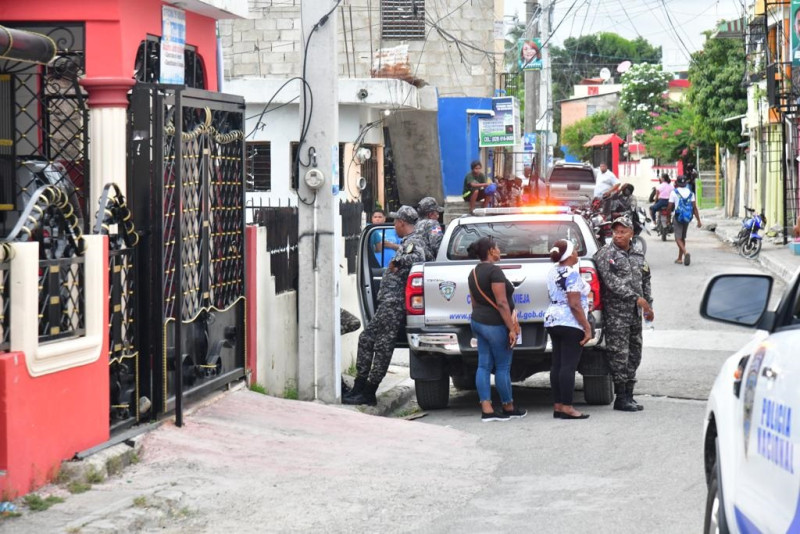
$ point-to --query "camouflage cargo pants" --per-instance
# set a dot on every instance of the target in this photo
(376, 342)
(624, 352)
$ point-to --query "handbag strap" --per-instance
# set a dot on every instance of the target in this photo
(490, 301)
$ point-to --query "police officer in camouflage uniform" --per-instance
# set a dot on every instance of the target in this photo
(376, 342)
(428, 228)
(625, 290)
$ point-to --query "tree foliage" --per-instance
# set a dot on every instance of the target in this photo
(577, 134)
(584, 56)
(716, 92)
(641, 98)
(670, 138)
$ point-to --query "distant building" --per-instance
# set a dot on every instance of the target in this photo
(589, 96)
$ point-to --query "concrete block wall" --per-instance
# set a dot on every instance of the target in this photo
(276, 324)
(268, 44)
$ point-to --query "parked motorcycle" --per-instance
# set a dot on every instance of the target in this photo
(749, 240)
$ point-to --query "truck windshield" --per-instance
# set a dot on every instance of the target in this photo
(516, 239)
(565, 175)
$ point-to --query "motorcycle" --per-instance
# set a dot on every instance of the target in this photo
(605, 210)
(663, 227)
(749, 240)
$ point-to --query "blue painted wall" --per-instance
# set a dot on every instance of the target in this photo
(458, 139)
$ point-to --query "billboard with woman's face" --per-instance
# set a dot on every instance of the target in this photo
(530, 54)
(795, 41)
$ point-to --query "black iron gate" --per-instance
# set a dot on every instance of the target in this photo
(114, 219)
(187, 191)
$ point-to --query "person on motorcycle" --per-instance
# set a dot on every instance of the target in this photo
(664, 189)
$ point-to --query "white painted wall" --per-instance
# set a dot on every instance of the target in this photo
(276, 361)
(281, 126)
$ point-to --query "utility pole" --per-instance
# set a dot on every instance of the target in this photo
(532, 77)
(319, 226)
(545, 117)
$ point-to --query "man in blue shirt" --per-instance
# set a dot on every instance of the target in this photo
(384, 243)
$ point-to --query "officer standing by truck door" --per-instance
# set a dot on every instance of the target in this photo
(376, 343)
(428, 228)
(625, 291)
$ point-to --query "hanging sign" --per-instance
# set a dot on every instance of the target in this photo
(529, 54)
(173, 43)
(503, 128)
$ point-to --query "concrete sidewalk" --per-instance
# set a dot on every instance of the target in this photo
(159, 504)
(774, 257)
(247, 462)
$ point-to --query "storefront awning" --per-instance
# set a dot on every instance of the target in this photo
(20, 45)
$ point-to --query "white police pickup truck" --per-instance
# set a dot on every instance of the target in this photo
(438, 307)
(752, 425)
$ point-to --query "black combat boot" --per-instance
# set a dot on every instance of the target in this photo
(623, 402)
(366, 396)
(358, 387)
(629, 392)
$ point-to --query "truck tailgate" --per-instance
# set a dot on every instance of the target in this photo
(447, 299)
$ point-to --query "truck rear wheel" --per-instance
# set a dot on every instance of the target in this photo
(598, 389)
(464, 382)
(433, 394)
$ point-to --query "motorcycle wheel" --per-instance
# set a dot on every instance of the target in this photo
(750, 248)
(639, 242)
(662, 231)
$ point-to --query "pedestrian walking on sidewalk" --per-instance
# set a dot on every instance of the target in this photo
(625, 291)
(376, 343)
(567, 324)
(495, 326)
(428, 228)
(684, 202)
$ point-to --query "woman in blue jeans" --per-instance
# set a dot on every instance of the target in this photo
(567, 324)
(495, 326)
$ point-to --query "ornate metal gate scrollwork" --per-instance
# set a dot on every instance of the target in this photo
(114, 220)
(196, 229)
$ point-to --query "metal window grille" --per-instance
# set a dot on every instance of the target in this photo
(403, 19)
(259, 166)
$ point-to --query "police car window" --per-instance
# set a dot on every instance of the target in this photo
(516, 240)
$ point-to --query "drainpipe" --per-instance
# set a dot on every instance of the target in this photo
(20, 45)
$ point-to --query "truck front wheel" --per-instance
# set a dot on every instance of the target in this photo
(598, 389)
(433, 394)
(465, 382)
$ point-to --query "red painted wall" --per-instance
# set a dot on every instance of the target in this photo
(47, 419)
(114, 29)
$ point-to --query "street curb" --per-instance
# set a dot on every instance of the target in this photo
(392, 400)
(102, 464)
(389, 401)
(728, 236)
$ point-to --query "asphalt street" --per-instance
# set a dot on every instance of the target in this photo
(615, 472)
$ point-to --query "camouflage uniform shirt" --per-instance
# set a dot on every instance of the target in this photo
(393, 284)
(429, 231)
(624, 277)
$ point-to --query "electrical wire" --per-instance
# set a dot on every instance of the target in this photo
(264, 111)
(308, 108)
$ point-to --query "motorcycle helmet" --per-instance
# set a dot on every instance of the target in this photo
(491, 189)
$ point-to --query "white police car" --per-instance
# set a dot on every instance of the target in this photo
(752, 425)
